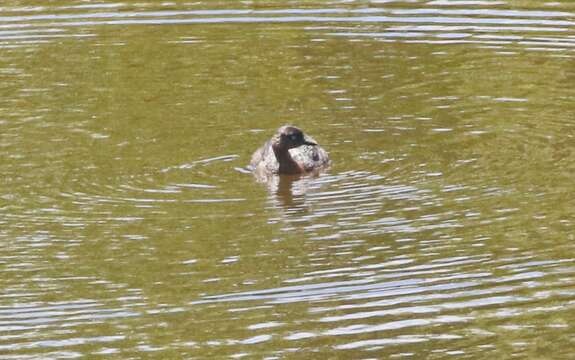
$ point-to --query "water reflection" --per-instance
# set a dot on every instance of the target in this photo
(335, 206)
(288, 191)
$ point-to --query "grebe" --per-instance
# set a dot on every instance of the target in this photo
(289, 151)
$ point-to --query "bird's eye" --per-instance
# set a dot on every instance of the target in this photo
(293, 137)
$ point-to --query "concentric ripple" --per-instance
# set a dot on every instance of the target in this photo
(130, 228)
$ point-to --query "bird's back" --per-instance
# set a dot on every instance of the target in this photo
(264, 159)
(310, 157)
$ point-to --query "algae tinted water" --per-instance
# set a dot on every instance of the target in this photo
(443, 228)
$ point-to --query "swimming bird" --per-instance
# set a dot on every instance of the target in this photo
(289, 151)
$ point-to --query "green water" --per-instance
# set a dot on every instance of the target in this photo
(129, 228)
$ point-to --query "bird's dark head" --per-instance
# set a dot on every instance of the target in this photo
(289, 137)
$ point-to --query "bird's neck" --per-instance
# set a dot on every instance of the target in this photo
(287, 165)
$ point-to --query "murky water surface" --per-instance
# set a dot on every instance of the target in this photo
(444, 228)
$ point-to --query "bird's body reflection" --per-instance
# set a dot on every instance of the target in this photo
(289, 191)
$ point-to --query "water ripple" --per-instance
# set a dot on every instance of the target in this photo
(17, 322)
(463, 295)
(444, 220)
(436, 23)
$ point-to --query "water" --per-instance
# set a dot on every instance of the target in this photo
(128, 228)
